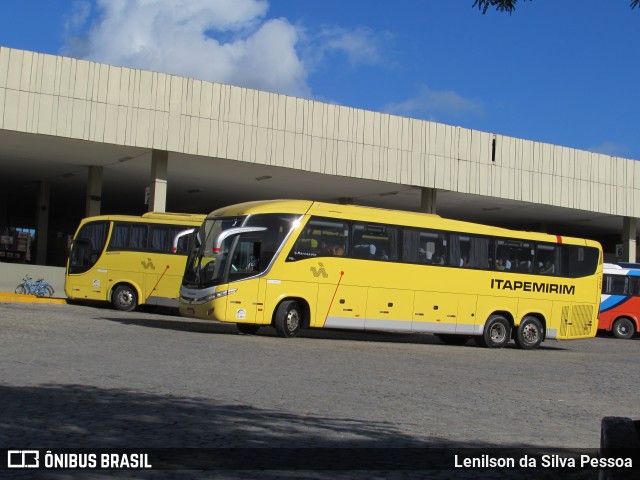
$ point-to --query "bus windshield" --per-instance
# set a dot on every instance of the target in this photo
(201, 264)
(87, 246)
(248, 253)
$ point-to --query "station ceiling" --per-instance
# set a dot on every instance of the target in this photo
(202, 184)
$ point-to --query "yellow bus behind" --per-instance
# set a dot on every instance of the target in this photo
(130, 260)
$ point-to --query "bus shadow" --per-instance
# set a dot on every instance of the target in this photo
(182, 324)
(177, 324)
(408, 338)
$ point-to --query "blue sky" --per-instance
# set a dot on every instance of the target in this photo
(563, 72)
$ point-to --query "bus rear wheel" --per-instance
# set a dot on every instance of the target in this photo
(124, 298)
(288, 319)
(623, 328)
(497, 332)
(529, 334)
(247, 328)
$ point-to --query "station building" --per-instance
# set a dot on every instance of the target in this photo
(79, 138)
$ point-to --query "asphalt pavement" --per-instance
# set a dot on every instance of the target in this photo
(92, 377)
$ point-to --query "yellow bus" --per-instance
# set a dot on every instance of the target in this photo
(295, 264)
(130, 260)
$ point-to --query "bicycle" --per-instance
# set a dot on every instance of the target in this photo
(39, 288)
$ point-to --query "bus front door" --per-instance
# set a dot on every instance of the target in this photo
(245, 302)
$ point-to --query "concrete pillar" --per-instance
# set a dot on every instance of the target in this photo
(629, 233)
(158, 184)
(42, 223)
(428, 197)
(94, 192)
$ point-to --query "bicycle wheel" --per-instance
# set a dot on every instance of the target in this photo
(45, 291)
(21, 290)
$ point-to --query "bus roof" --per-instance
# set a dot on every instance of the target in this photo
(381, 215)
(632, 269)
(152, 217)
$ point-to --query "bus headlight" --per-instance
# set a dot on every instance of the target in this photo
(220, 294)
(207, 298)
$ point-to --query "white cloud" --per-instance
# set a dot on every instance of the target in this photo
(227, 41)
(360, 45)
(610, 148)
(431, 105)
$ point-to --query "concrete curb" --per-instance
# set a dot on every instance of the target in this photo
(20, 298)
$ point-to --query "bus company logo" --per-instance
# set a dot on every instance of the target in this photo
(148, 264)
(536, 287)
(23, 458)
(319, 271)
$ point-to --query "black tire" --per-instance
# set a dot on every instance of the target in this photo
(450, 339)
(247, 328)
(497, 332)
(47, 291)
(623, 328)
(124, 298)
(288, 319)
(21, 290)
(530, 333)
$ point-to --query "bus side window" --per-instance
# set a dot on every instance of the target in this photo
(617, 285)
(318, 239)
(634, 286)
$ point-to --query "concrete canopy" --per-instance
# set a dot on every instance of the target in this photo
(225, 144)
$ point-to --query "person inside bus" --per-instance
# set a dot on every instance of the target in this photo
(547, 268)
(324, 249)
(338, 250)
(503, 264)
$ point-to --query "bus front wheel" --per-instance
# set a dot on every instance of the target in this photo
(288, 319)
(124, 298)
(623, 328)
(497, 332)
(529, 334)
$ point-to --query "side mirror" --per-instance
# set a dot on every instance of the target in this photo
(217, 246)
(179, 235)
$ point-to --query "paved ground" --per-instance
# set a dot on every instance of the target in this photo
(76, 376)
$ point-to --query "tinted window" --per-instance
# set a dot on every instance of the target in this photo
(87, 246)
(254, 251)
(469, 251)
(582, 261)
(321, 237)
(375, 241)
(160, 238)
(634, 286)
(424, 246)
(129, 236)
(614, 284)
(549, 259)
